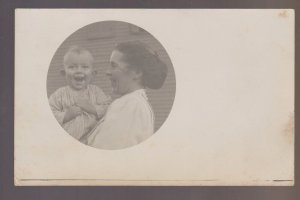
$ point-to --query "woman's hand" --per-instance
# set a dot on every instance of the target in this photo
(85, 105)
(72, 113)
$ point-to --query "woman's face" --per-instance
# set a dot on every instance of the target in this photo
(122, 78)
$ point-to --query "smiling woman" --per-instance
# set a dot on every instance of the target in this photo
(111, 96)
(129, 120)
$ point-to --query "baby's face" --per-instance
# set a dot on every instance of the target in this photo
(78, 70)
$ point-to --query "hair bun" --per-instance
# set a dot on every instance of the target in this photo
(141, 58)
(155, 76)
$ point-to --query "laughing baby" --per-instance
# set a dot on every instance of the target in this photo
(78, 105)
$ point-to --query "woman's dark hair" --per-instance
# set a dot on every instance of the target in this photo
(142, 59)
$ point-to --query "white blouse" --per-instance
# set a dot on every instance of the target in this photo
(129, 120)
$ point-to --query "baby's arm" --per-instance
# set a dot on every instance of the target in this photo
(86, 105)
(56, 106)
(55, 102)
(97, 108)
(71, 113)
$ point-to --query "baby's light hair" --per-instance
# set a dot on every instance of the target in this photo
(79, 51)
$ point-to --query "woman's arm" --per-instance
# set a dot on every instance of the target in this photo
(127, 122)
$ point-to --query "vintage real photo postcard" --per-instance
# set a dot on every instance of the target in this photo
(154, 97)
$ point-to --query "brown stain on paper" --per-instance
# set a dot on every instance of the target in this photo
(288, 130)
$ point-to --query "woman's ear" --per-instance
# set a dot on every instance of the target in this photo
(95, 72)
(62, 72)
(137, 75)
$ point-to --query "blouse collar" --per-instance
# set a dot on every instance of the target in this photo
(141, 92)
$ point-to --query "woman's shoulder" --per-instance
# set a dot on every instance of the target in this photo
(135, 100)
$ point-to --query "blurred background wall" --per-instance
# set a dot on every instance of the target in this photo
(100, 38)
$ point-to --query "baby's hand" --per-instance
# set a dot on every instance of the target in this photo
(85, 105)
(72, 113)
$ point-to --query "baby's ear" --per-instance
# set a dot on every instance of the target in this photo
(62, 72)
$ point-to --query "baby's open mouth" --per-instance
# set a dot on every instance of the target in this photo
(79, 77)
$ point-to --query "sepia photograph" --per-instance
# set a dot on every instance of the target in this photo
(154, 97)
(111, 85)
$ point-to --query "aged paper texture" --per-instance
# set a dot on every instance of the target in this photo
(232, 121)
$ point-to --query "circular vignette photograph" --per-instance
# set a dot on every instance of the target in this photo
(111, 85)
